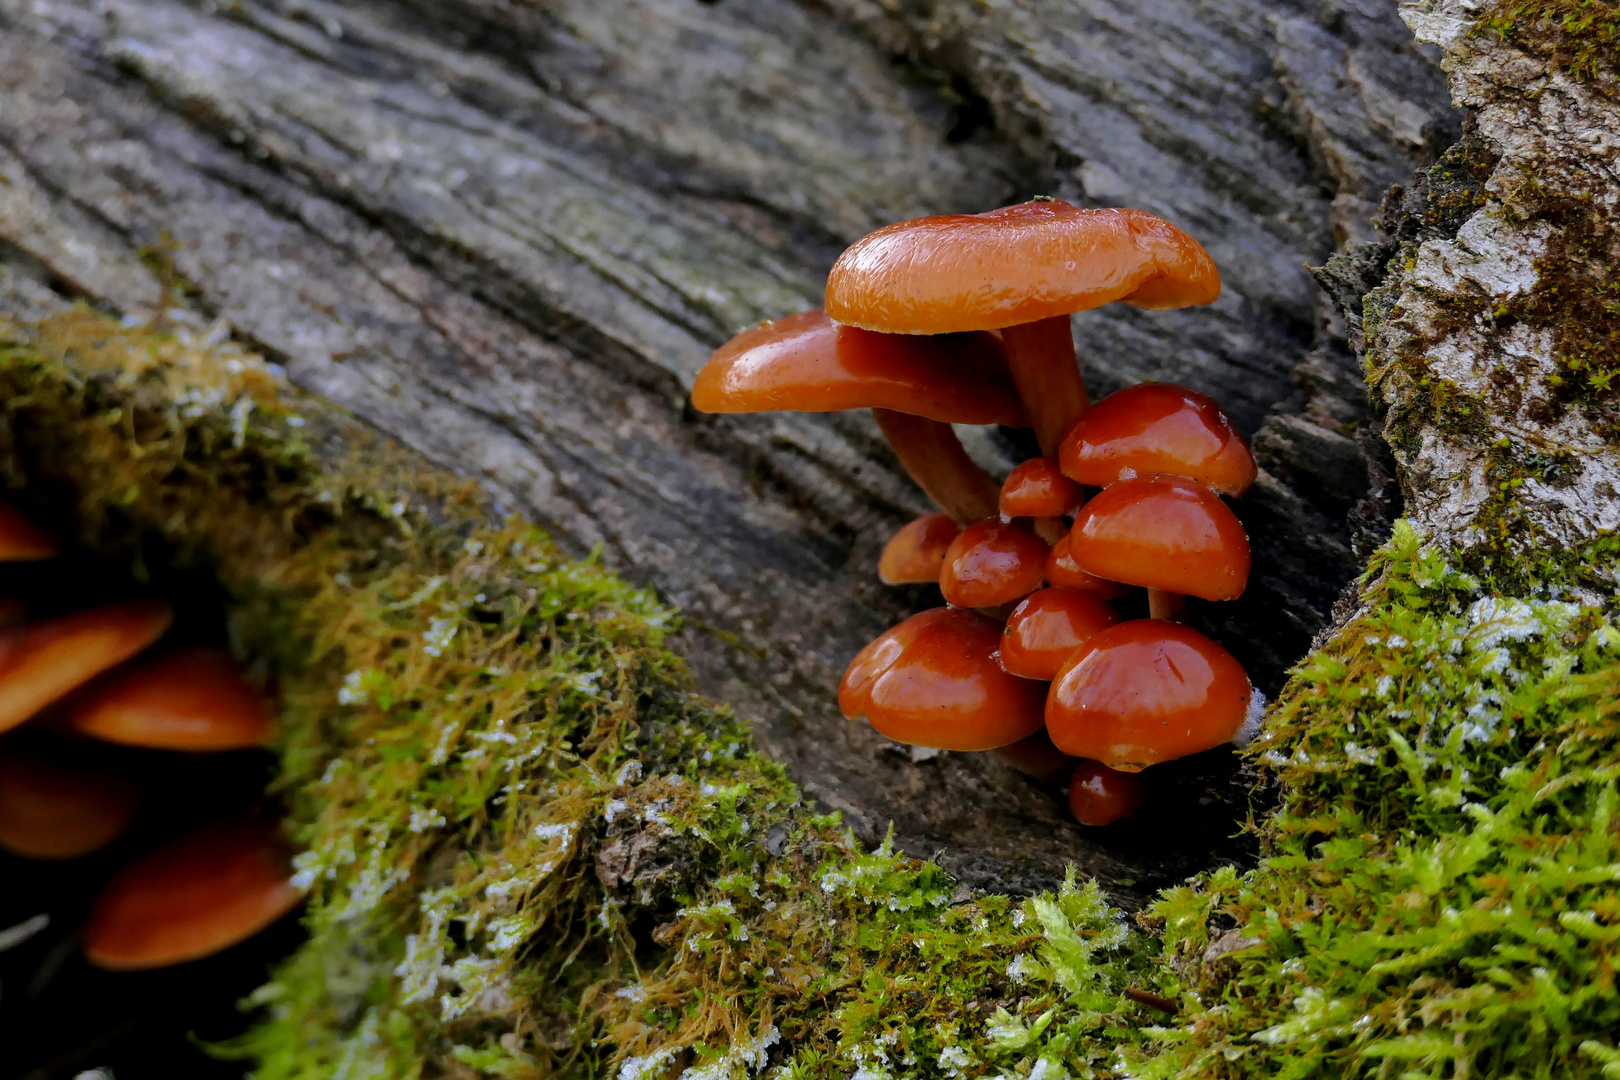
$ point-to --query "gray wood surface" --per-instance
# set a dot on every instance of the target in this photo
(508, 233)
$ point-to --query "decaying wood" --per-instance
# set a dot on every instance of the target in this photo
(508, 234)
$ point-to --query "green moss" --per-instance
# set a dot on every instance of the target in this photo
(1581, 37)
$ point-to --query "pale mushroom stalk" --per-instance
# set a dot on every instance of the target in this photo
(1168, 606)
(1041, 358)
(933, 456)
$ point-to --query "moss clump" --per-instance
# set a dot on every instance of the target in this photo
(1581, 37)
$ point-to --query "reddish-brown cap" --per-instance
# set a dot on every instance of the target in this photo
(915, 554)
(808, 363)
(54, 808)
(1047, 627)
(57, 656)
(1146, 691)
(1036, 260)
(1099, 795)
(1163, 532)
(1158, 428)
(1038, 488)
(194, 699)
(192, 897)
(1062, 570)
(1037, 757)
(992, 563)
(934, 681)
(20, 539)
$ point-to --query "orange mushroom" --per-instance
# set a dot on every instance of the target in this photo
(915, 554)
(20, 539)
(57, 656)
(1037, 757)
(1023, 270)
(51, 808)
(192, 897)
(1146, 691)
(1099, 795)
(1158, 428)
(1047, 627)
(934, 681)
(194, 699)
(1037, 488)
(1062, 570)
(991, 563)
(916, 387)
(1168, 534)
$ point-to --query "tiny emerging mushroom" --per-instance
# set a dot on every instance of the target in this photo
(1099, 795)
(1158, 428)
(1047, 627)
(194, 896)
(1022, 270)
(53, 806)
(934, 681)
(992, 563)
(916, 387)
(193, 699)
(915, 554)
(1146, 691)
(57, 656)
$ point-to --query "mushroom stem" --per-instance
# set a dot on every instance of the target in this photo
(1041, 357)
(933, 455)
(1166, 605)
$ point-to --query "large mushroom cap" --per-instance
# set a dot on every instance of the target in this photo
(1158, 428)
(1044, 630)
(194, 699)
(1164, 533)
(808, 363)
(934, 681)
(57, 656)
(1019, 264)
(1146, 691)
(52, 808)
(991, 563)
(192, 897)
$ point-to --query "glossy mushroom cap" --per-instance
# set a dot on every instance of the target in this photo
(57, 656)
(1158, 428)
(1038, 488)
(1047, 627)
(992, 563)
(20, 540)
(934, 681)
(194, 699)
(1099, 795)
(1165, 533)
(1146, 691)
(1019, 264)
(192, 897)
(1063, 571)
(914, 555)
(808, 363)
(54, 808)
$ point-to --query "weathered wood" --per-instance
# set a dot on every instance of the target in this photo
(508, 234)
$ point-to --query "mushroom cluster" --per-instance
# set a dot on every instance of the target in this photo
(965, 319)
(78, 703)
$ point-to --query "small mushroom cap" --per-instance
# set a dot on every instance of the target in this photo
(20, 539)
(1099, 795)
(194, 699)
(808, 363)
(57, 656)
(1063, 571)
(991, 563)
(1019, 264)
(915, 554)
(1047, 627)
(1146, 691)
(1037, 757)
(934, 681)
(1038, 488)
(1166, 533)
(1158, 428)
(55, 808)
(192, 897)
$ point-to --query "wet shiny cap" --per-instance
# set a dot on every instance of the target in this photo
(194, 699)
(1036, 260)
(934, 681)
(1166, 533)
(1037, 488)
(808, 363)
(914, 555)
(57, 656)
(1158, 428)
(991, 563)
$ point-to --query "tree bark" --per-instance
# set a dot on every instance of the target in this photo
(507, 235)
